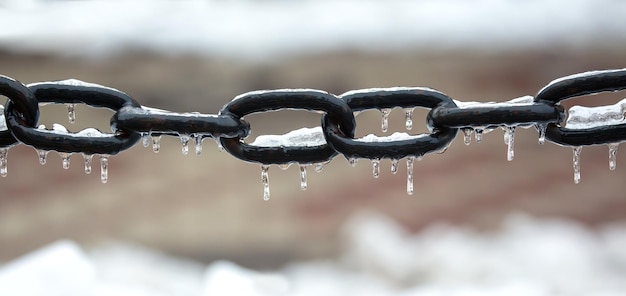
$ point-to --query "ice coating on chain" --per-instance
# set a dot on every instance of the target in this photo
(145, 140)
(3, 124)
(376, 167)
(409, 175)
(87, 158)
(71, 112)
(284, 166)
(74, 82)
(541, 129)
(42, 155)
(156, 144)
(303, 183)
(397, 136)
(304, 137)
(266, 182)
(184, 140)
(408, 118)
(66, 159)
(385, 124)
(509, 139)
(613, 156)
(197, 139)
(525, 100)
(353, 161)
(577, 151)
(394, 166)
(3, 161)
(467, 136)
(580, 117)
(104, 168)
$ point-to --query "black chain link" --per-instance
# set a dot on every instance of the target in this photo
(338, 125)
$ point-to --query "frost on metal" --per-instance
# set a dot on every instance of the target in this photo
(525, 100)
(397, 136)
(304, 137)
(589, 117)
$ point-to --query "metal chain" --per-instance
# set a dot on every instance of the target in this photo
(336, 133)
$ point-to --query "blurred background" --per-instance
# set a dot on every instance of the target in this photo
(197, 55)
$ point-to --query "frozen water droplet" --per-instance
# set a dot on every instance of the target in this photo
(87, 158)
(284, 166)
(3, 161)
(303, 184)
(145, 140)
(420, 157)
(408, 116)
(376, 167)
(467, 136)
(577, 151)
(509, 137)
(394, 166)
(42, 156)
(385, 124)
(266, 182)
(478, 135)
(353, 161)
(71, 112)
(320, 166)
(66, 159)
(184, 140)
(409, 175)
(220, 148)
(612, 156)
(541, 128)
(104, 168)
(156, 144)
(198, 143)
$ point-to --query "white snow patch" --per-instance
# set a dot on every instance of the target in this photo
(304, 137)
(580, 117)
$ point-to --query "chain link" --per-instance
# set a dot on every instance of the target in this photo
(336, 133)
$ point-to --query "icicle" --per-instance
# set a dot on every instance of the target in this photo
(467, 136)
(145, 140)
(612, 156)
(184, 140)
(104, 168)
(266, 182)
(353, 161)
(71, 112)
(42, 156)
(303, 184)
(408, 116)
(220, 148)
(87, 158)
(198, 142)
(478, 134)
(409, 175)
(509, 139)
(376, 167)
(577, 151)
(156, 144)
(284, 166)
(3, 161)
(541, 128)
(385, 124)
(66, 159)
(394, 166)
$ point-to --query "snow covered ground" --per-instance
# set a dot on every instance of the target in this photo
(527, 256)
(266, 29)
